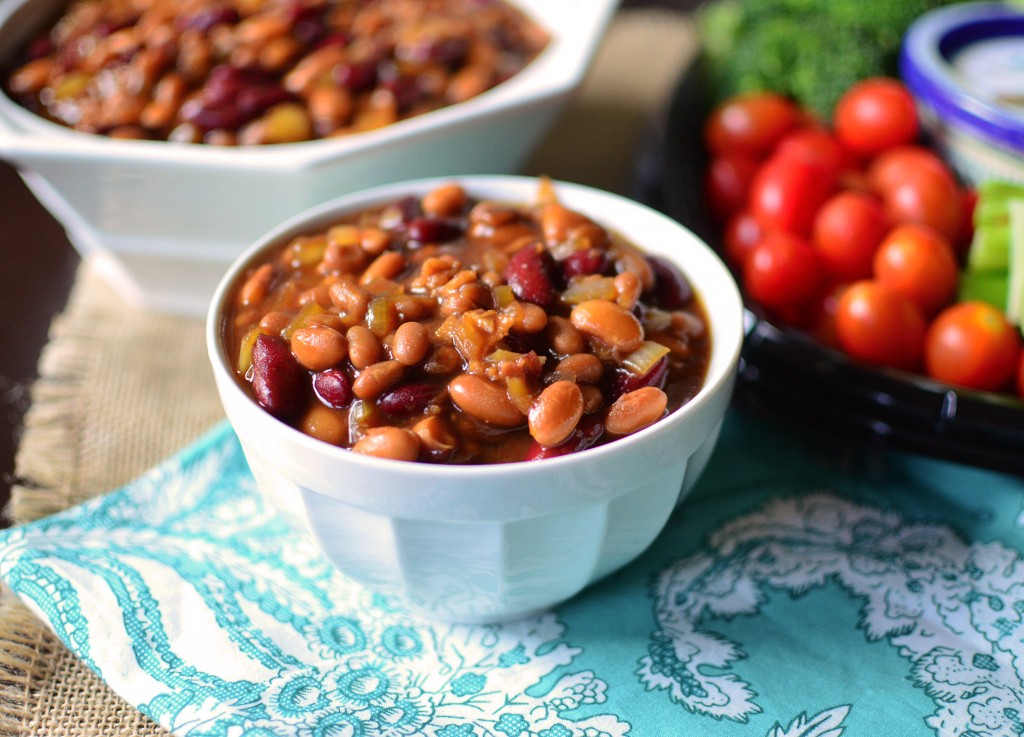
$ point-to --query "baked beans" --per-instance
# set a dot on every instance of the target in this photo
(456, 344)
(265, 71)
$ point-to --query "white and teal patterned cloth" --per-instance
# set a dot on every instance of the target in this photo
(796, 594)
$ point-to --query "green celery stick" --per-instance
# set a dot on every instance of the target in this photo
(989, 212)
(990, 249)
(1015, 296)
(984, 286)
(998, 189)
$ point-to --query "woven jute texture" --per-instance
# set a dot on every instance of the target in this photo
(120, 389)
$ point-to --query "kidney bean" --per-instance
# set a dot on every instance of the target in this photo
(426, 49)
(395, 443)
(673, 290)
(587, 432)
(625, 381)
(278, 380)
(484, 400)
(432, 230)
(636, 410)
(212, 117)
(333, 387)
(408, 399)
(356, 76)
(206, 18)
(405, 90)
(254, 100)
(308, 23)
(318, 348)
(529, 274)
(586, 261)
(555, 412)
(609, 323)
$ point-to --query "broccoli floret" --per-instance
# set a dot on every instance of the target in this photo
(812, 50)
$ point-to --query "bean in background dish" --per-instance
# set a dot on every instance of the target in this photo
(266, 71)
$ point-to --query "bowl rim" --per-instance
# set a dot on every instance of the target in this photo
(727, 337)
(924, 64)
(556, 71)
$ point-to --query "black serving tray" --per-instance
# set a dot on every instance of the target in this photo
(786, 373)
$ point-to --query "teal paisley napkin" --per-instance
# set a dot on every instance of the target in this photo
(804, 590)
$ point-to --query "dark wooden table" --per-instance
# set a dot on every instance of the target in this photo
(37, 267)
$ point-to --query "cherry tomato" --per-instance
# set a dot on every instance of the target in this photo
(916, 186)
(787, 192)
(879, 325)
(742, 234)
(894, 165)
(782, 271)
(874, 115)
(926, 197)
(727, 183)
(972, 344)
(750, 124)
(847, 231)
(919, 262)
(818, 145)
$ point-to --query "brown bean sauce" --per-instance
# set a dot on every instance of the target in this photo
(449, 330)
(265, 71)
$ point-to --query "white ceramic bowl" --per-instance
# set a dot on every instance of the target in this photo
(492, 542)
(163, 221)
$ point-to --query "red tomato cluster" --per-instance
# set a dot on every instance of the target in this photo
(855, 232)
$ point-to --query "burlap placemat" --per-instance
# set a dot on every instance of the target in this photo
(119, 390)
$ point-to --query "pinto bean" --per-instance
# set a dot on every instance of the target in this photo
(585, 367)
(375, 378)
(484, 400)
(609, 323)
(363, 346)
(554, 414)
(411, 344)
(318, 348)
(395, 443)
(635, 410)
